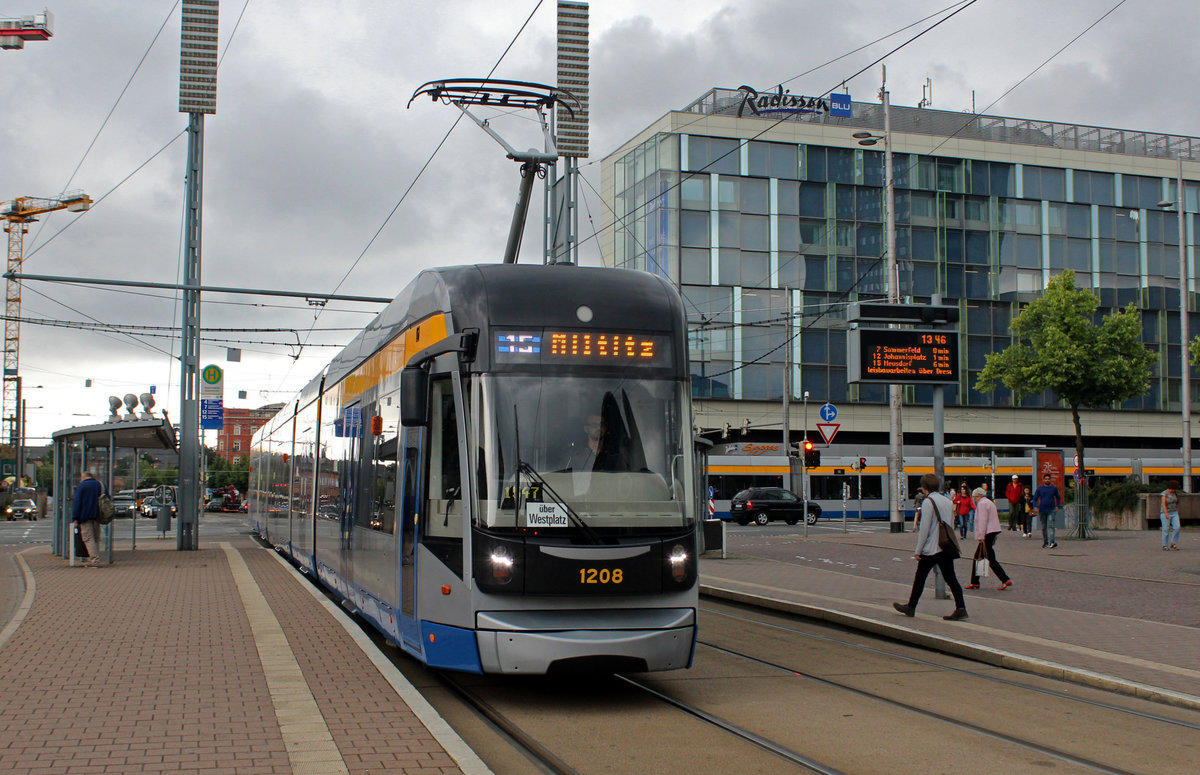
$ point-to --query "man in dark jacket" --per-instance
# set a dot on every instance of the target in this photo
(1047, 498)
(85, 509)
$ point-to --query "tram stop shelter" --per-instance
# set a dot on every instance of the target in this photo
(110, 451)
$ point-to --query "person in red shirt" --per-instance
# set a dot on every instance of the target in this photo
(1014, 493)
(963, 506)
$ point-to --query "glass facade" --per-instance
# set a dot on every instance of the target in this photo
(752, 229)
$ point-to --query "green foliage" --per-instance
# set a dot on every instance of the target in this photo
(45, 475)
(1061, 349)
(1115, 497)
(156, 476)
(1194, 351)
(221, 472)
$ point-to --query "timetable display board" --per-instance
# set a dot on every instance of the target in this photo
(902, 356)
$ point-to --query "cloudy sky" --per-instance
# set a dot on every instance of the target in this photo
(312, 146)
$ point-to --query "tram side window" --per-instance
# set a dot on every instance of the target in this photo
(377, 500)
(829, 488)
(725, 486)
(443, 517)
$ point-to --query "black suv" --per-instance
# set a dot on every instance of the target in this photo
(763, 504)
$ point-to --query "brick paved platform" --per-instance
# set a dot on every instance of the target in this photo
(223, 660)
(219, 660)
(1116, 611)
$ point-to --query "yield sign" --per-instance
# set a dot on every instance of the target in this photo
(828, 431)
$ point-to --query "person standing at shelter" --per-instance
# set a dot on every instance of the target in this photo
(85, 513)
(987, 530)
(1047, 499)
(1014, 493)
(929, 554)
(1169, 516)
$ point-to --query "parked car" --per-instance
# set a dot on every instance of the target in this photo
(21, 508)
(764, 504)
(150, 506)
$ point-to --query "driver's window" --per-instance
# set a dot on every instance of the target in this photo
(443, 517)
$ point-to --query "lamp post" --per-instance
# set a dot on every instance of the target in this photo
(895, 459)
(1185, 387)
(804, 470)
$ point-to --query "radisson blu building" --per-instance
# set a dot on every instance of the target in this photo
(769, 215)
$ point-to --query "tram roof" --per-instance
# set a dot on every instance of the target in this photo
(480, 295)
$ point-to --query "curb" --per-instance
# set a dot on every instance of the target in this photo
(466, 758)
(958, 648)
(26, 600)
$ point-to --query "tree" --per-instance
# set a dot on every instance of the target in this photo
(1059, 347)
(221, 472)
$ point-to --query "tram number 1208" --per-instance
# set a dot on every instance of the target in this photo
(601, 576)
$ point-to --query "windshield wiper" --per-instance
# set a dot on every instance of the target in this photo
(572, 515)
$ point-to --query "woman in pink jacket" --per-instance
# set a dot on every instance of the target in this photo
(987, 528)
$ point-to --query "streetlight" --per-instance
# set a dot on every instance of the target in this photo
(895, 458)
(1185, 388)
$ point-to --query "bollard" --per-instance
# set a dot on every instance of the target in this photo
(939, 585)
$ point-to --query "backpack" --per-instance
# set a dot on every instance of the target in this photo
(106, 511)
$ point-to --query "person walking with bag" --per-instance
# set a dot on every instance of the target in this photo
(936, 521)
(85, 513)
(987, 530)
(1169, 516)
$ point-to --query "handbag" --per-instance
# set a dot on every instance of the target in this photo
(981, 561)
(947, 541)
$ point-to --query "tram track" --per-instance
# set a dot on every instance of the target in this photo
(1025, 686)
(800, 760)
(912, 708)
(543, 757)
(525, 743)
(1076, 703)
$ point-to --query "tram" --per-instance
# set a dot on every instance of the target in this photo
(837, 483)
(498, 472)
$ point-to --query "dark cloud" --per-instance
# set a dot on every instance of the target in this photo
(313, 144)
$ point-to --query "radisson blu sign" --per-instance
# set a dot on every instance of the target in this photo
(781, 101)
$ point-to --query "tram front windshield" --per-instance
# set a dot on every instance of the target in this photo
(589, 455)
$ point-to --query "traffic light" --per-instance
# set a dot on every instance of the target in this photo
(794, 449)
(812, 456)
(862, 463)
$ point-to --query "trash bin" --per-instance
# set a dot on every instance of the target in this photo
(163, 521)
(713, 536)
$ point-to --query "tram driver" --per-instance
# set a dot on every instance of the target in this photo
(597, 450)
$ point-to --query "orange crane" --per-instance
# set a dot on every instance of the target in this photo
(16, 214)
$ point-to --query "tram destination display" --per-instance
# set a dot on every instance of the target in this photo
(583, 347)
(901, 356)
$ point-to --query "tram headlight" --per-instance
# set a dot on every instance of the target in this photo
(501, 561)
(677, 561)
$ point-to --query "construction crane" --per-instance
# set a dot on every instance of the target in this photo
(16, 215)
(14, 32)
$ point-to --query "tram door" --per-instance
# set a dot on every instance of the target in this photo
(411, 497)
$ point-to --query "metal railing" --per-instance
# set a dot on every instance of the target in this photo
(968, 126)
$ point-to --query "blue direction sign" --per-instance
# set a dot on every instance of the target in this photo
(828, 412)
(212, 414)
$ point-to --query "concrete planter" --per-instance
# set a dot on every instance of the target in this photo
(1128, 519)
